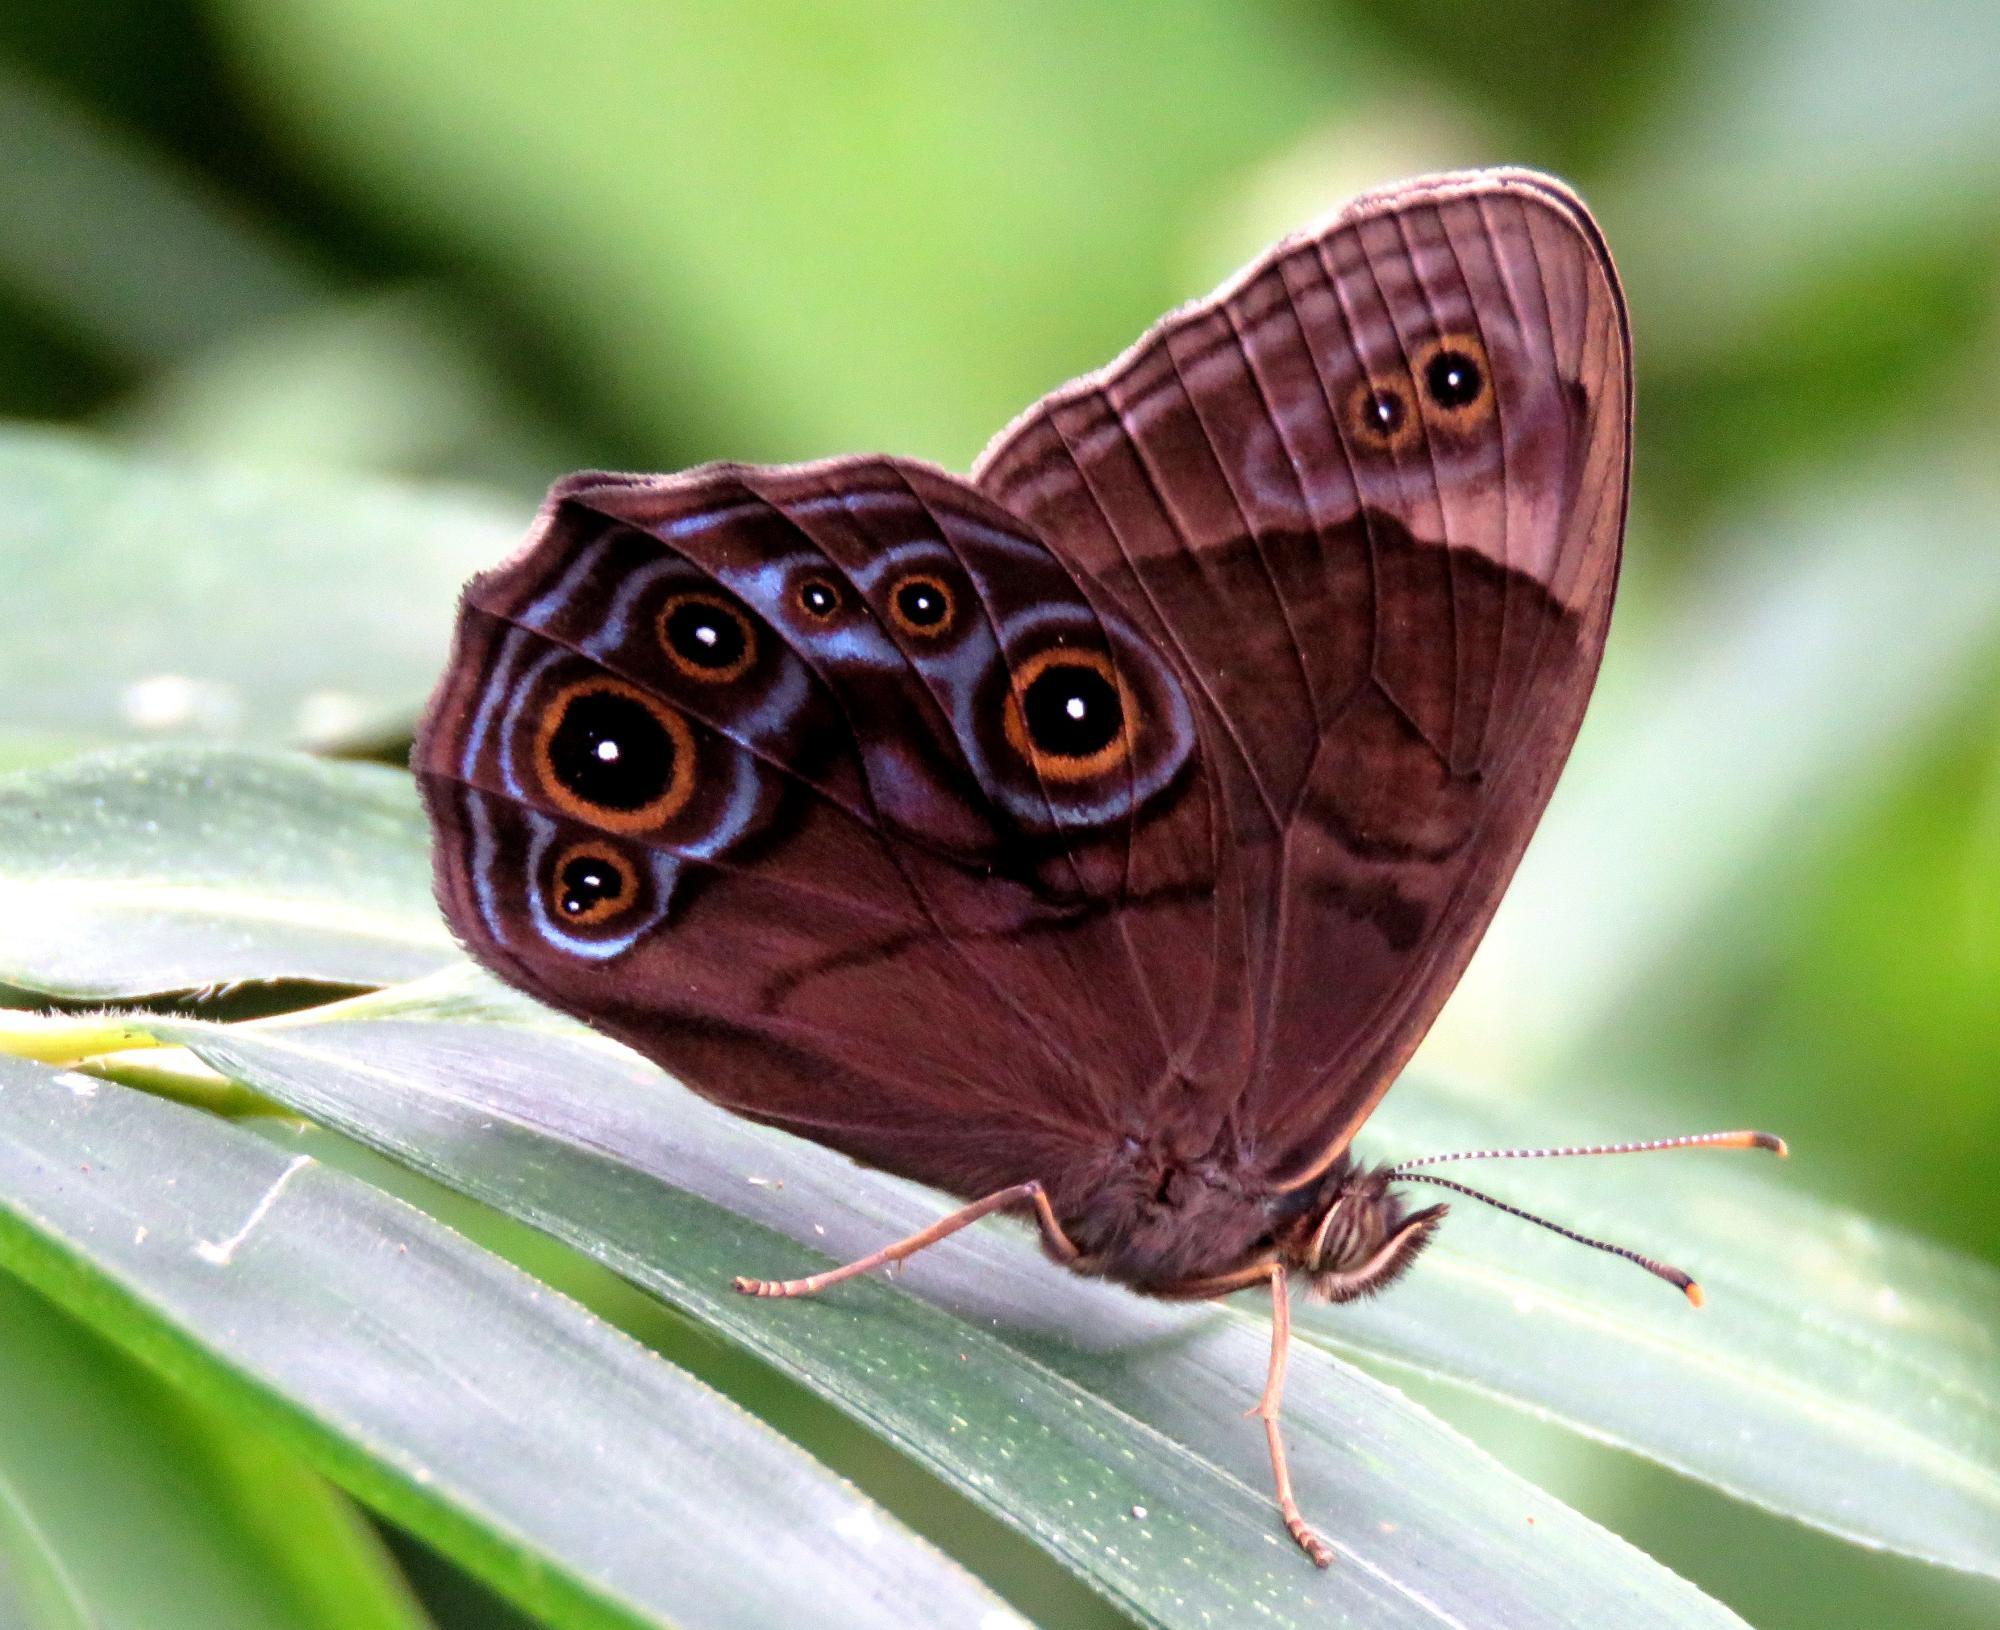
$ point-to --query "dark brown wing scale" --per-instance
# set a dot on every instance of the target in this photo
(1389, 466)
(1119, 819)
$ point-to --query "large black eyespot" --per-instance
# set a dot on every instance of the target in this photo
(706, 637)
(1069, 715)
(1453, 378)
(590, 883)
(610, 754)
(818, 597)
(922, 604)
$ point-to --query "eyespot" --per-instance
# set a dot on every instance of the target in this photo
(1457, 378)
(1380, 414)
(706, 637)
(818, 598)
(609, 754)
(589, 883)
(1070, 715)
(922, 604)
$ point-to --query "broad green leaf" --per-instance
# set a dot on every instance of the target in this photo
(158, 869)
(1104, 1426)
(1841, 1372)
(36, 1593)
(581, 1475)
(148, 600)
(136, 1507)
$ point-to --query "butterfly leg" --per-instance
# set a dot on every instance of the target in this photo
(1059, 1243)
(1267, 1411)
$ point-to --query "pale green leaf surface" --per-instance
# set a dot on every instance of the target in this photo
(447, 1388)
(128, 1506)
(163, 869)
(1841, 1372)
(1067, 1407)
(150, 600)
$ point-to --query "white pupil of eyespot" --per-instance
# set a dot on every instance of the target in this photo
(607, 752)
(1074, 707)
(706, 634)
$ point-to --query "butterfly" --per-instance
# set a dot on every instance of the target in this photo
(1095, 837)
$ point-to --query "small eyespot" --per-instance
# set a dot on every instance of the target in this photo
(609, 754)
(1458, 385)
(589, 883)
(1453, 379)
(1380, 414)
(922, 604)
(818, 598)
(1070, 715)
(706, 637)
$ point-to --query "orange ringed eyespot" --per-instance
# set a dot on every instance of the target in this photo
(922, 605)
(817, 597)
(706, 637)
(1456, 379)
(590, 882)
(1380, 414)
(1069, 715)
(609, 754)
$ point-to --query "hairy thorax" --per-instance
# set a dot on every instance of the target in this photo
(1176, 1227)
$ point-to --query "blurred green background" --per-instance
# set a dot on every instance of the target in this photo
(490, 242)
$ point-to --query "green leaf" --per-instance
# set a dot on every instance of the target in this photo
(1840, 1373)
(158, 869)
(155, 600)
(129, 1506)
(585, 1478)
(1104, 1426)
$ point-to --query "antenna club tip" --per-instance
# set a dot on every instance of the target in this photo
(1777, 1145)
(1694, 1294)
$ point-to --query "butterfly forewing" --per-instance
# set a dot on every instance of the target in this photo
(1369, 502)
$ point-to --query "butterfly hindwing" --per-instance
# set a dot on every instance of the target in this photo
(798, 772)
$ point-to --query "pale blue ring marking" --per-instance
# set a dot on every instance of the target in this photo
(564, 586)
(666, 873)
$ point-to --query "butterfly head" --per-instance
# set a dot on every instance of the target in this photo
(1356, 1238)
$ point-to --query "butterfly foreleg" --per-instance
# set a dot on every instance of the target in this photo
(1267, 1412)
(1059, 1243)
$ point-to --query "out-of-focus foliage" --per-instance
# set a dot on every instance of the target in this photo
(487, 244)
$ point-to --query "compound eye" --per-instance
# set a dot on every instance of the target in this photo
(1070, 715)
(706, 637)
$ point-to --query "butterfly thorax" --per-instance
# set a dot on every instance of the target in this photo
(1189, 1228)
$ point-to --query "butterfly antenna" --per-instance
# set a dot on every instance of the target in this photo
(1672, 1275)
(1694, 1140)
(1408, 1171)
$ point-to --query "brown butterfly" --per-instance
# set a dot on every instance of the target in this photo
(1097, 837)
